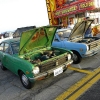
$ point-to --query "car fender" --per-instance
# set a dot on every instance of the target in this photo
(81, 48)
(24, 66)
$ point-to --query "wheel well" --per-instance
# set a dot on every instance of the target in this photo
(74, 51)
(19, 71)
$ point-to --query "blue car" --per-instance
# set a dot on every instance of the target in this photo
(76, 41)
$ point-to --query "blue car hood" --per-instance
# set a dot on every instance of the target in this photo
(80, 28)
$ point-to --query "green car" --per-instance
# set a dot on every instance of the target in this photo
(31, 56)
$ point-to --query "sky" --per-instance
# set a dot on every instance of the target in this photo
(22, 13)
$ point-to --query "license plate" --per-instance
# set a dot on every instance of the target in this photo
(58, 71)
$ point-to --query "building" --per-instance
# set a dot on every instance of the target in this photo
(66, 11)
(19, 31)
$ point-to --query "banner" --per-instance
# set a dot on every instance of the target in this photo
(76, 8)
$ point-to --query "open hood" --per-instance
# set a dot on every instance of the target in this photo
(80, 28)
(36, 38)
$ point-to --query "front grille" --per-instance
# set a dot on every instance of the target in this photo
(52, 64)
(94, 45)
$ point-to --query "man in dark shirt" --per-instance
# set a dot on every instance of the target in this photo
(88, 33)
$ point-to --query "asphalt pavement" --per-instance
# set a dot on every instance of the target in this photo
(93, 93)
(52, 87)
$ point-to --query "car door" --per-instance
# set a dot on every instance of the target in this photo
(1, 51)
(8, 58)
(57, 42)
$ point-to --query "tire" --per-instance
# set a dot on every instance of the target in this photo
(25, 81)
(2, 67)
(76, 57)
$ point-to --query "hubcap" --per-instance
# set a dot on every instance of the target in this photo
(75, 57)
(25, 80)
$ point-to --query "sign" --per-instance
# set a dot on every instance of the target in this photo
(86, 5)
(73, 9)
(60, 2)
(66, 11)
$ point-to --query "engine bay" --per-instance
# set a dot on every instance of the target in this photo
(42, 56)
(88, 40)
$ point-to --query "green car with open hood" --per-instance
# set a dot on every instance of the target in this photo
(32, 57)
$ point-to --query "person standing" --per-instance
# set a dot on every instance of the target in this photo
(71, 25)
(88, 33)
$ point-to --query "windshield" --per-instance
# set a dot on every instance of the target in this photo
(64, 34)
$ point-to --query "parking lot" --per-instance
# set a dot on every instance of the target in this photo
(50, 88)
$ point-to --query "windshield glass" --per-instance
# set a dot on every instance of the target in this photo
(64, 34)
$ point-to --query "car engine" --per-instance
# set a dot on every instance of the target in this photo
(42, 56)
(88, 40)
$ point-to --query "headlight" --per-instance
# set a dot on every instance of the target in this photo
(69, 56)
(36, 70)
(87, 47)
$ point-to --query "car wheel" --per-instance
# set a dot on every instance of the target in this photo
(76, 57)
(25, 81)
(2, 67)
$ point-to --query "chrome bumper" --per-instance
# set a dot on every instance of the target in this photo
(92, 52)
(88, 54)
(47, 73)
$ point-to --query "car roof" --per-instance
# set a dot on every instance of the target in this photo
(12, 40)
(63, 29)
